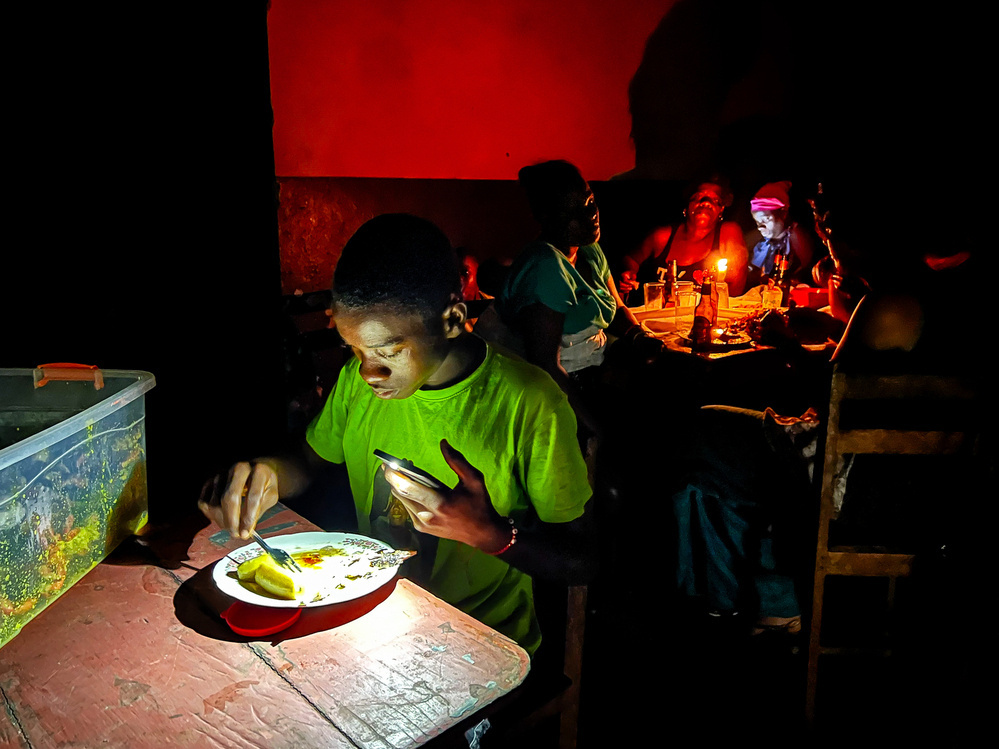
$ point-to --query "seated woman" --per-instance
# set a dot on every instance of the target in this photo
(781, 236)
(559, 299)
(697, 244)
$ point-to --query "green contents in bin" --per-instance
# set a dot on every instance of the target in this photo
(72, 483)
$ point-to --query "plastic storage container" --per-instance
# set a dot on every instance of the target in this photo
(72, 479)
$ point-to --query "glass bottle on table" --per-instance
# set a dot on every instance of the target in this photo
(775, 291)
(705, 315)
(670, 281)
(781, 278)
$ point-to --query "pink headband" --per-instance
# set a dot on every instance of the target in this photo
(766, 204)
(771, 197)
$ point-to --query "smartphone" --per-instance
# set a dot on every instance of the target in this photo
(406, 468)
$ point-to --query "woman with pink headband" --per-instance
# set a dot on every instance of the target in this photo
(780, 237)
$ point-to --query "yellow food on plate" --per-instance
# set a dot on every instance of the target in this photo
(252, 586)
(247, 571)
(277, 580)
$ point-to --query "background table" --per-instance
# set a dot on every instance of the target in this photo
(749, 376)
(137, 655)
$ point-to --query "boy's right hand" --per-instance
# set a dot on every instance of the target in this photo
(235, 502)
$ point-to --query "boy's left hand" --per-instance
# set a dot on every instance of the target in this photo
(464, 513)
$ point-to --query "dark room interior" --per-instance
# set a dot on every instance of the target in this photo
(184, 177)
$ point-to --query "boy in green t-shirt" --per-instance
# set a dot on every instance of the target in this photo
(493, 428)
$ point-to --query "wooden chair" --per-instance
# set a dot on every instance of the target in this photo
(923, 398)
(564, 702)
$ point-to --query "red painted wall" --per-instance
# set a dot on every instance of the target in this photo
(454, 89)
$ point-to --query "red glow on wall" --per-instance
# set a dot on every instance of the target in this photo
(452, 89)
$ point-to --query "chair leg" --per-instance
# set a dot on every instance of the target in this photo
(890, 621)
(575, 630)
(814, 641)
(569, 724)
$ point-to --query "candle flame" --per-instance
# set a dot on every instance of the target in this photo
(723, 264)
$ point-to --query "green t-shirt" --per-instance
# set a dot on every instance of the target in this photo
(543, 274)
(510, 421)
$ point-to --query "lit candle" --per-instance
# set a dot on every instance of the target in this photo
(720, 268)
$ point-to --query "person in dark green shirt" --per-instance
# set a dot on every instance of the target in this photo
(559, 299)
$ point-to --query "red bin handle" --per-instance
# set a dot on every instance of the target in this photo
(67, 371)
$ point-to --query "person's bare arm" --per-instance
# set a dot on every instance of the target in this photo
(733, 247)
(650, 247)
(624, 318)
(540, 328)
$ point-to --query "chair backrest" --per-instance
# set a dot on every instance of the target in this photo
(896, 414)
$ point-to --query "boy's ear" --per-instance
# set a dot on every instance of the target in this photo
(455, 315)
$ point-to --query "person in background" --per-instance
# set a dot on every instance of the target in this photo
(781, 236)
(559, 300)
(841, 268)
(491, 275)
(918, 318)
(740, 498)
(493, 428)
(475, 299)
(470, 291)
(696, 245)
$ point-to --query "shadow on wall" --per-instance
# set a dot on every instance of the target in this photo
(753, 90)
(781, 89)
(760, 91)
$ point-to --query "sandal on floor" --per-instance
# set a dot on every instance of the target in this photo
(790, 625)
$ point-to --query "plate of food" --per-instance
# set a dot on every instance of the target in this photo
(335, 567)
(734, 338)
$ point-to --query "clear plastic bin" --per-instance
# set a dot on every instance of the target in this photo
(72, 479)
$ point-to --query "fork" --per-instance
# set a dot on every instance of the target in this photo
(280, 556)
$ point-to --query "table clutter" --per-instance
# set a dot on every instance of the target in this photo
(741, 324)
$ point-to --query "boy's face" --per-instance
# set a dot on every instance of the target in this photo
(398, 353)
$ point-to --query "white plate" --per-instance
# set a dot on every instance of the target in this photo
(324, 584)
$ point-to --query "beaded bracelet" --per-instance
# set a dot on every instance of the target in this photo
(513, 539)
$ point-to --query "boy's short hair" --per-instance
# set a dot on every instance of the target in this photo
(397, 260)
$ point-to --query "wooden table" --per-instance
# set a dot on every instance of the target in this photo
(661, 323)
(750, 376)
(136, 655)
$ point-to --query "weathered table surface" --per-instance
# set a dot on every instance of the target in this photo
(137, 656)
